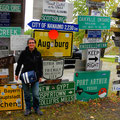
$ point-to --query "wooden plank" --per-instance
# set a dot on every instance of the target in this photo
(115, 29)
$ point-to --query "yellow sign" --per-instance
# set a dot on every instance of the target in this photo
(60, 47)
(11, 97)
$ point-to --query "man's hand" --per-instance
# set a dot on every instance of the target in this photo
(16, 77)
(40, 80)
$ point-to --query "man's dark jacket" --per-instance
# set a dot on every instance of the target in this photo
(30, 61)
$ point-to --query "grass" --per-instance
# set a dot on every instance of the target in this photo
(106, 59)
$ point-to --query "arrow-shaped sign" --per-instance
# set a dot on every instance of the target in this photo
(94, 58)
(52, 25)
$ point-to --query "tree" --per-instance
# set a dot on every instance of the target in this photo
(28, 32)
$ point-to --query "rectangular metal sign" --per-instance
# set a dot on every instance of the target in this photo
(94, 22)
(4, 19)
(92, 40)
(116, 87)
(18, 42)
(53, 69)
(60, 47)
(94, 33)
(53, 18)
(55, 7)
(11, 97)
(84, 46)
(93, 59)
(52, 94)
(90, 3)
(91, 84)
(53, 26)
(8, 31)
(4, 7)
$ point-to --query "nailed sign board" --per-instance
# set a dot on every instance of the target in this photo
(53, 26)
(55, 7)
(91, 84)
(4, 19)
(11, 97)
(95, 4)
(10, 7)
(18, 42)
(94, 33)
(92, 40)
(60, 47)
(93, 59)
(94, 22)
(52, 94)
(8, 31)
(53, 69)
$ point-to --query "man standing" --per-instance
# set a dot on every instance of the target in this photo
(31, 59)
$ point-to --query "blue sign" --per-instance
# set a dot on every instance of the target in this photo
(94, 33)
(55, 26)
(4, 19)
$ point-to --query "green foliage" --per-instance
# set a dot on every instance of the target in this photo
(28, 32)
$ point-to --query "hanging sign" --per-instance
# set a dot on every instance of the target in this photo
(53, 69)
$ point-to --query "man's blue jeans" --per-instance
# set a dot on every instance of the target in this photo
(35, 94)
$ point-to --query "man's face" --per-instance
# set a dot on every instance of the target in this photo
(31, 44)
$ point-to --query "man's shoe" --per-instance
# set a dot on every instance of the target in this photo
(39, 112)
(27, 112)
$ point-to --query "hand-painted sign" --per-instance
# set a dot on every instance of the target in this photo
(18, 42)
(53, 18)
(94, 33)
(84, 46)
(60, 47)
(4, 19)
(93, 59)
(53, 26)
(53, 69)
(10, 7)
(52, 94)
(11, 97)
(91, 84)
(8, 31)
(92, 40)
(55, 7)
(94, 22)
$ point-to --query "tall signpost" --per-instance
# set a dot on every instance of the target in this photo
(85, 87)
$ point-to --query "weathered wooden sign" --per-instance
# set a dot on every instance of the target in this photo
(53, 69)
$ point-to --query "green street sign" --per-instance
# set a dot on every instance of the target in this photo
(94, 22)
(8, 31)
(52, 94)
(53, 18)
(91, 84)
(10, 7)
(84, 46)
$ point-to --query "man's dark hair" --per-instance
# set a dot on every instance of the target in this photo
(30, 39)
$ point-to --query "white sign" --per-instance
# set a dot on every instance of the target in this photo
(95, 4)
(116, 87)
(95, 13)
(93, 59)
(4, 72)
(92, 40)
(53, 69)
(55, 7)
(18, 42)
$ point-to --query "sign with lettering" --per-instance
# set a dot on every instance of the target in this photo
(53, 26)
(93, 59)
(94, 33)
(92, 40)
(94, 22)
(90, 3)
(55, 7)
(53, 69)
(4, 7)
(8, 31)
(53, 18)
(95, 13)
(11, 97)
(52, 94)
(18, 42)
(84, 46)
(4, 19)
(116, 87)
(60, 47)
(91, 84)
